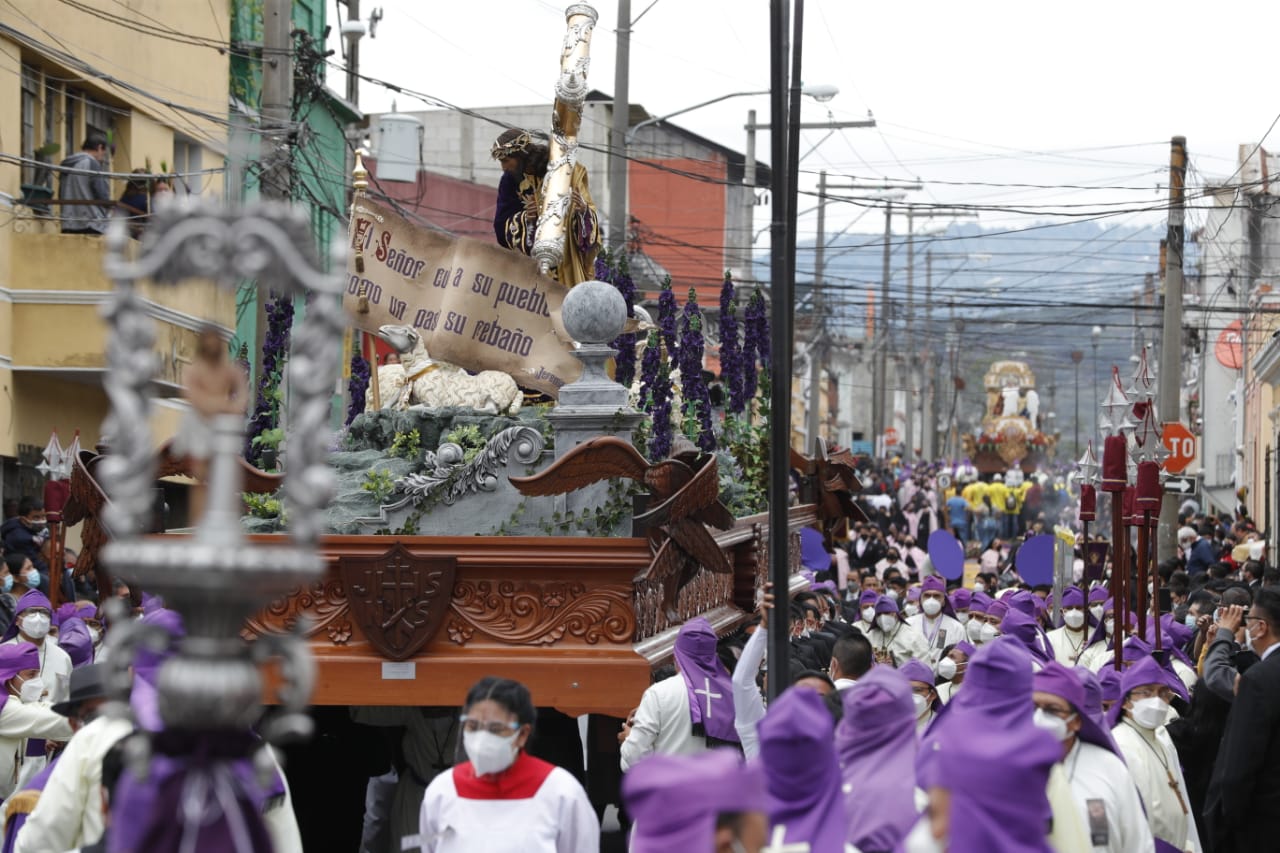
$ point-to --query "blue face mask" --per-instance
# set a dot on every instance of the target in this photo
(8, 582)
(33, 578)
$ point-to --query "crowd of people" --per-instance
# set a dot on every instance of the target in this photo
(63, 770)
(922, 715)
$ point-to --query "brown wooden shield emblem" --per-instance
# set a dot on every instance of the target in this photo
(398, 599)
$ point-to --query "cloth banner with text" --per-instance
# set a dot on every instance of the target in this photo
(476, 305)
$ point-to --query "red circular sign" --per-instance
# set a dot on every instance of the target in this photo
(1227, 348)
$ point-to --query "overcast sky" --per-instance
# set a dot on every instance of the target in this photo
(1084, 94)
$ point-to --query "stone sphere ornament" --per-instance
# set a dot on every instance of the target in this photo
(594, 312)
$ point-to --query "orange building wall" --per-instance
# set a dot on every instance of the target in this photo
(680, 222)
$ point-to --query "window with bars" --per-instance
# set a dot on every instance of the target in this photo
(187, 159)
(71, 143)
(30, 100)
(52, 113)
(97, 119)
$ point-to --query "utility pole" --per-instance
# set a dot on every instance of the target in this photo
(1170, 404)
(618, 162)
(818, 346)
(878, 395)
(929, 419)
(906, 369)
(353, 54)
(781, 309)
(277, 98)
(276, 126)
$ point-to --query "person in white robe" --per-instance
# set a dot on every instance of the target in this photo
(893, 641)
(936, 621)
(1069, 642)
(69, 812)
(503, 800)
(748, 703)
(33, 618)
(22, 713)
(1138, 726)
(1105, 794)
(667, 722)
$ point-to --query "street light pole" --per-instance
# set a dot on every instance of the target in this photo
(618, 134)
(1077, 356)
(1095, 333)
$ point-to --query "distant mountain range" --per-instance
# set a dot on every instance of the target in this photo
(1030, 294)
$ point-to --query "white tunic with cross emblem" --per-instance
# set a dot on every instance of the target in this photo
(662, 724)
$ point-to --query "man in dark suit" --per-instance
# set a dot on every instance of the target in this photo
(1243, 803)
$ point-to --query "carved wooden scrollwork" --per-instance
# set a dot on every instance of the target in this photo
(324, 603)
(540, 614)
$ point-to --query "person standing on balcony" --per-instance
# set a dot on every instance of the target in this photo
(85, 183)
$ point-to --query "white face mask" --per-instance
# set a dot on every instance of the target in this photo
(973, 628)
(1110, 626)
(887, 622)
(868, 614)
(931, 606)
(35, 625)
(946, 669)
(1096, 610)
(989, 632)
(1074, 619)
(892, 595)
(911, 609)
(1052, 724)
(31, 690)
(921, 704)
(1150, 713)
(962, 616)
(979, 587)
(489, 753)
(1248, 639)
(95, 635)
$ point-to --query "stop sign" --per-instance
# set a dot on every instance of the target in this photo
(1181, 445)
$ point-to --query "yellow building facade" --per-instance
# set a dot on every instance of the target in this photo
(151, 78)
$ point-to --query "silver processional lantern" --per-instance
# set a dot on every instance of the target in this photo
(215, 578)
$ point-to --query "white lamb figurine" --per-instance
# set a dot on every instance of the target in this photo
(390, 386)
(437, 384)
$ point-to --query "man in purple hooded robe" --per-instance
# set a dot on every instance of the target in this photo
(988, 792)
(876, 746)
(690, 711)
(1104, 793)
(1025, 630)
(997, 692)
(806, 805)
(697, 803)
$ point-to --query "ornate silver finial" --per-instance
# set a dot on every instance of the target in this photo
(216, 579)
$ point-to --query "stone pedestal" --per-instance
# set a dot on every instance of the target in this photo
(595, 405)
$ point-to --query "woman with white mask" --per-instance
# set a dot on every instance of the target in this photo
(503, 799)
